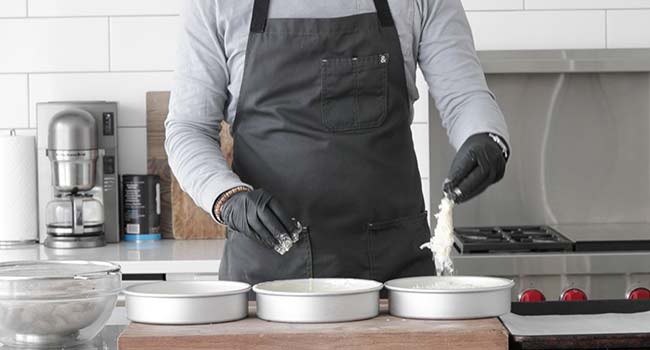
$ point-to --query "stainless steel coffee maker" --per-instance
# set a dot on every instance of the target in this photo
(78, 190)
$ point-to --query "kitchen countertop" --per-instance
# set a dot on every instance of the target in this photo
(147, 257)
(598, 331)
(204, 256)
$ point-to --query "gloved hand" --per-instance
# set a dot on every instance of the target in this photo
(261, 217)
(479, 163)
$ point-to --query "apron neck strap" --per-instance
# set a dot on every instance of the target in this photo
(261, 14)
(383, 12)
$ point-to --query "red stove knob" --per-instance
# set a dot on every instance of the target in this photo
(531, 296)
(639, 294)
(574, 294)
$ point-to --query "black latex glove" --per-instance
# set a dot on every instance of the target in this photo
(261, 217)
(479, 163)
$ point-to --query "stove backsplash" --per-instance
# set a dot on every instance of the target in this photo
(580, 151)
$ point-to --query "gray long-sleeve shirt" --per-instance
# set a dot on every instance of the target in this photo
(210, 62)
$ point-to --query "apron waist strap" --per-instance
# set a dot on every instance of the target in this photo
(261, 14)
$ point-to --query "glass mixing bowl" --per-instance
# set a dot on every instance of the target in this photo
(54, 304)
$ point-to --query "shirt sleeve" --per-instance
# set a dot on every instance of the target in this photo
(448, 60)
(196, 108)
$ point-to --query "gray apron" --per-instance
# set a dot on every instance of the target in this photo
(323, 124)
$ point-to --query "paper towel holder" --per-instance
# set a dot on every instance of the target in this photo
(9, 244)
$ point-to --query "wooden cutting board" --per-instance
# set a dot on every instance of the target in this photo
(383, 333)
(180, 217)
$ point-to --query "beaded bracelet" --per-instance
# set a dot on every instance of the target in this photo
(218, 205)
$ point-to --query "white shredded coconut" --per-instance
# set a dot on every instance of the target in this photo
(317, 285)
(447, 285)
(442, 239)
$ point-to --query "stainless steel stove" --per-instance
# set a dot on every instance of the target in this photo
(560, 262)
(581, 154)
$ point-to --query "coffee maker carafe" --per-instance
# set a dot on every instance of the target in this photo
(78, 190)
(75, 215)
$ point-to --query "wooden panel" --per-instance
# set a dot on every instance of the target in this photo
(190, 221)
(157, 158)
(383, 332)
(180, 217)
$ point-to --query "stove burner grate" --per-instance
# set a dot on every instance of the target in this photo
(510, 239)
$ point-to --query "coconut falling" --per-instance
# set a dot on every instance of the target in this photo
(442, 239)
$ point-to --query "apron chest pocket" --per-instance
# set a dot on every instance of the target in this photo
(354, 92)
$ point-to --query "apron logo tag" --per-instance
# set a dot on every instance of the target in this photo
(383, 59)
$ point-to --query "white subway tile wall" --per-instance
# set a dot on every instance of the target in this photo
(427, 197)
(135, 49)
(586, 4)
(54, 44)
(13, 8)
(13, 101)
(102, 7)
(421, 143)
(628, 28)
(492, 5)
(538, 29)
(120, 49)
(420, 130)
(128, 89)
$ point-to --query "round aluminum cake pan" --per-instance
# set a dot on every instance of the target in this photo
(449, 297)
(320, 300)
(187, 302)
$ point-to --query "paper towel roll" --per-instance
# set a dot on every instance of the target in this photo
(18, 197)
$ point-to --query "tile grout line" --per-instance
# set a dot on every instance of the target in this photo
(108, 19)
(29, 106)
(557, 9)
(478, 10)
(90, 72)
(89, 16)
(118, 127)
(606, 29)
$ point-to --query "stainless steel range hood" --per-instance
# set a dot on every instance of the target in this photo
(565, 61)
(580, 133)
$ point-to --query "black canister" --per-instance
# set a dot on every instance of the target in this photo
(141, 198)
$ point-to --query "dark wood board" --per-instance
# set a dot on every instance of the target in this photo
(566, 342)
(588, 307)
(157, 158)
(384, 332)
(180, 217)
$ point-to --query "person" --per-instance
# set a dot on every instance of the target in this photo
(319, 94)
